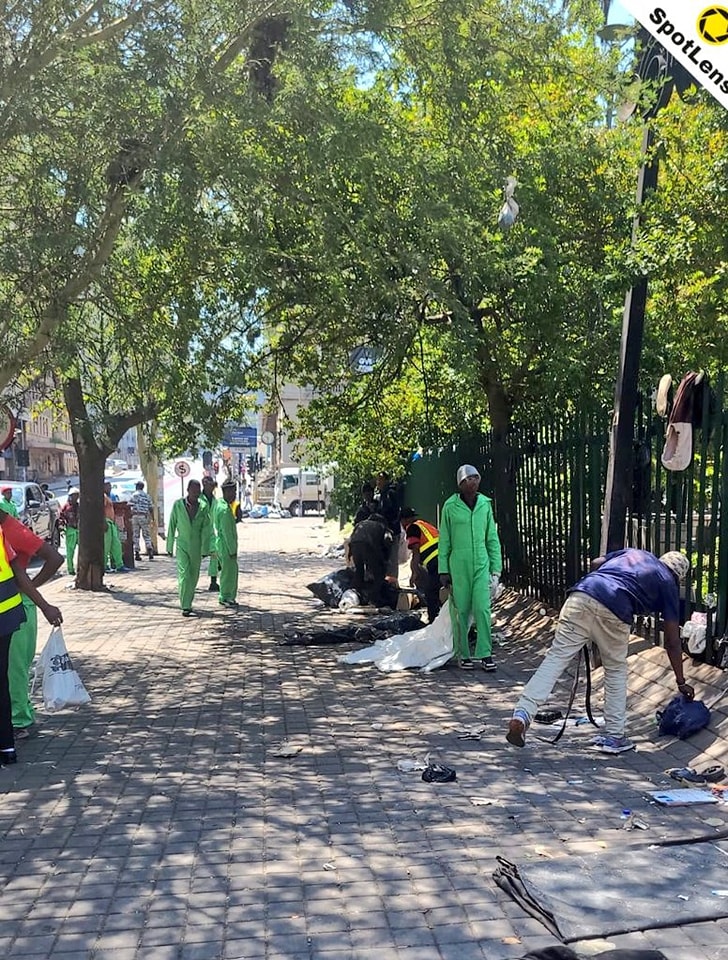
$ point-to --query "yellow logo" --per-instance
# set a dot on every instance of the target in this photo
(713, 25)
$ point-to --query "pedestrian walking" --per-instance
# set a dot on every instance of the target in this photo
(190, 529)
(113, 556)
(470, 562)
(226, 544)
(209, 485)
(142, 514)
(13, 580)
(600, 609)
(68, 522)
(26, 546)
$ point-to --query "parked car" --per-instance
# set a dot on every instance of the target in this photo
(36, 510)
(296, 489)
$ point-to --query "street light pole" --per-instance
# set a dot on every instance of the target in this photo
(663, 74)
(621, 443)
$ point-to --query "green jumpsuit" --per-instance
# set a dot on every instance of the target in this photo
(193, 542)
(226, 547)
(213, 568)
(470, 553)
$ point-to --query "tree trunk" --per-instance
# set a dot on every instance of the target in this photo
(91, 465)
(504, 479)
(91, 519)
(150, 468)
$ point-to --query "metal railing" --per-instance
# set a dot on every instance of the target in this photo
(557, 471)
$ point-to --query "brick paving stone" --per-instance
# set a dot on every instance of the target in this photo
(133, 826)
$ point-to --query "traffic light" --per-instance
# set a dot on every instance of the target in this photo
(207, 459)
(252, 464)
(260, 462)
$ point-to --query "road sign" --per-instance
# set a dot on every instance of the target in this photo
(242, 437)
(695, 33)
(182, 469)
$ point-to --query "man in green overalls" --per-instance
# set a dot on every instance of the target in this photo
(208, 493)
(226, 545)
(189, 523)
(470, 561)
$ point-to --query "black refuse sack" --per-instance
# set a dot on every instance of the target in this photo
(330, 589)
(682, 718)
(438, 773)
(377, 629)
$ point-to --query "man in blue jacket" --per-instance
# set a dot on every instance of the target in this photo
(600, 609)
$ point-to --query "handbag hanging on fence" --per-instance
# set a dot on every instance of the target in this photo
(62, 686)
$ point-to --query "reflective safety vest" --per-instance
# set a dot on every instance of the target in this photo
(11, 603)
(429, 542)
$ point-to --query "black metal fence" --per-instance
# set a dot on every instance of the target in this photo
(558, 471)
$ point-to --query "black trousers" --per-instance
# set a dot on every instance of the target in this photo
(7, 740)
(429, 584)
(370, 570)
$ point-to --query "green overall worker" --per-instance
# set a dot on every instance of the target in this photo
(226, 544)
(189, 523)
(208, 493)
(7, 503)
(470, 561)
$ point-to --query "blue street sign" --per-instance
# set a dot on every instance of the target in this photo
(241, 437)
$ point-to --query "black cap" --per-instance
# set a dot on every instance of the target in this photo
(408, 513)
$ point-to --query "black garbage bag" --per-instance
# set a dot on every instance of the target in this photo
(682, 717)
(438, 773)
(381, 627)
(564, 953)
(330, 589)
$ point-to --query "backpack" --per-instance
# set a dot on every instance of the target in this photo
(682, 718)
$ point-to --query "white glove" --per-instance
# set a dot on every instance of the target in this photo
(495, 586)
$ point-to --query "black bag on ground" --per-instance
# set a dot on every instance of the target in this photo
(330, 589)
(682, 718)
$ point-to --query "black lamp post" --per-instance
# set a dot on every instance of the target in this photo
(663, 74)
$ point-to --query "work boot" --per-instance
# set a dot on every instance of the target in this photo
(213, 586)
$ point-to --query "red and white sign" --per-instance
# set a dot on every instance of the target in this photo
(182, 469)
(695, 33)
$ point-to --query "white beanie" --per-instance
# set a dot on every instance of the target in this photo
(467, 470)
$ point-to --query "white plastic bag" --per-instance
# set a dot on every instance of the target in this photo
(62, 686)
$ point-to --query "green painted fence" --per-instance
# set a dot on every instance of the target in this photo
(557, 469)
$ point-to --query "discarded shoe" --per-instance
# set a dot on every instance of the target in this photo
(614, 744)
(692, 777)
(517, 726)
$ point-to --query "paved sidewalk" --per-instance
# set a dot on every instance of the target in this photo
(159, 822)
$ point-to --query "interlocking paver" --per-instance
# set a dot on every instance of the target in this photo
(157, 822)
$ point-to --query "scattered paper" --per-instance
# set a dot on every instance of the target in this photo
(286, 750)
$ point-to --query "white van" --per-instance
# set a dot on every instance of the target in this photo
(296, 489)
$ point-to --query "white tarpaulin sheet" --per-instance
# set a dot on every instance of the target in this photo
(424, 649)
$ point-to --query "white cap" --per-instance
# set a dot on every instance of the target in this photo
(73, 490)
(677, 562)
(467, 470)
